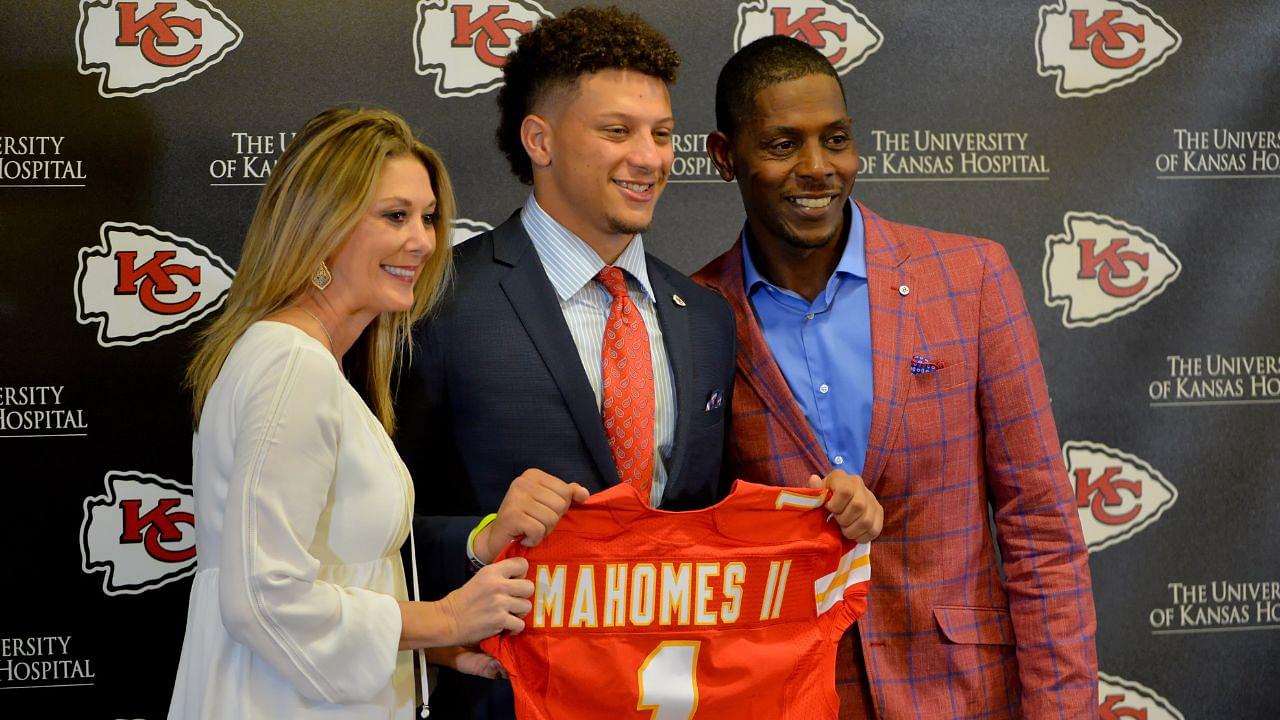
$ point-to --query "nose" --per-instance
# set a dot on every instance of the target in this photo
(421, 241)
(813, 162)
(646, 154)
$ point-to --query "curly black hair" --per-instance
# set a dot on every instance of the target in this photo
(764, 63)
(558, 51)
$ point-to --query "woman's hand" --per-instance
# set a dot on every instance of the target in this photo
(495, 599)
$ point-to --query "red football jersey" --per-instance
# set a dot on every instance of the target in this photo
(729, 612)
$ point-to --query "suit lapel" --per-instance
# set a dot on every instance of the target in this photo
(892, 322)
(674, 321)
(534, 302)
(758, 368)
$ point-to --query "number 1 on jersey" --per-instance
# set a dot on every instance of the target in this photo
(668, 680)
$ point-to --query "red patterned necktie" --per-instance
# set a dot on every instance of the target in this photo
(627, 406)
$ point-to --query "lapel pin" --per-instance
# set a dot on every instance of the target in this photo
(677, 300)
(904, 290)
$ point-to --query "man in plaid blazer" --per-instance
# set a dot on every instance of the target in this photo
(955, 418)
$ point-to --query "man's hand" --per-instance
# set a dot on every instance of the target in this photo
(855, 509)
(468, 660)
(533, 505)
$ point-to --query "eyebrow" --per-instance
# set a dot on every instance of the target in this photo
(624, 116)
(397, 200)
(842, 123)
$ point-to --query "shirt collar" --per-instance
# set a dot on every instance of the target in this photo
(570, 262)
(852, 262)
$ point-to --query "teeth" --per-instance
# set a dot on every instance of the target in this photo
(635, 187)
(811, 202)
(398, 272)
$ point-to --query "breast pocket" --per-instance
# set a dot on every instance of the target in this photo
(942, 405)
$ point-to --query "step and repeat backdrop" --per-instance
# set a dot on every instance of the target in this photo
(1126, 154)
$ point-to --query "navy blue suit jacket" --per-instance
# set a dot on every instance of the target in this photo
(496, 387)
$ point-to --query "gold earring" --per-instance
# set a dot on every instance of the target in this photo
(322, 277)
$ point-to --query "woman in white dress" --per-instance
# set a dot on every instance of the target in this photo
(299, 606)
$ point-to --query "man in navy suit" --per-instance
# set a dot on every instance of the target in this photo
(501, 411)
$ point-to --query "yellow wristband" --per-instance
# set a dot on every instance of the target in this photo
(485, 522)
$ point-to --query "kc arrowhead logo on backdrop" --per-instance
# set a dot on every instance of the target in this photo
(834, 27)
(141, 283)
(1120, 699)
(464, 229)
(465, 44)
(140, 47)
(141, 533)
(1117, 494)
(1096, 45)
(1103, 268)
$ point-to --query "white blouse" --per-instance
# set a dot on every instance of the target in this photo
(301, 506)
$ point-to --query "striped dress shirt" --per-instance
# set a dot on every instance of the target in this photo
(572, 265)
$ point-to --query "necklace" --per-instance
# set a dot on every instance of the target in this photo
(323, 329)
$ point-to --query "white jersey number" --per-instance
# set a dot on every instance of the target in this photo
(668, 680)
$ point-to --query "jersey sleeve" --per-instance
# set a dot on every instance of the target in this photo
(840, 596)
(332, 643)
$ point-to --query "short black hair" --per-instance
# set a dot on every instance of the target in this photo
(766, 62)
(559, 50)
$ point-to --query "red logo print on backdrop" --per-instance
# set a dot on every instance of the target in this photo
(155, 30)
(141, 283)
(143, 46)
(1117, 494)
(157, 526)
(627, 395)
(1112, 263)
(140, 534)
(1105, 492)
(1093, 46)
(154, 278)
(487, 31)
(465, 44)
(834, 27)
(1102, 268)
(1103, 36)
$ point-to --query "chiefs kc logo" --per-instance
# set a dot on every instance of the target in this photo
(1093, 46)
(465, 44)
(141, 283)
(1103, 268)
(140, 534)
(140, 47)
(835, 27)
(1120, 699)
(1117, 494)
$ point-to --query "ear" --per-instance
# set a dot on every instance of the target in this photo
(535, 135)
(720, 148)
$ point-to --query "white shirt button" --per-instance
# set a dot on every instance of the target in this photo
(839, 459)
(809, 316)
(823, 388)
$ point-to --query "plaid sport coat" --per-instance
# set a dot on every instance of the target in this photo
(945, 635)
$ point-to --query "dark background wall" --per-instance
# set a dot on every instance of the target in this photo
(1129, 162)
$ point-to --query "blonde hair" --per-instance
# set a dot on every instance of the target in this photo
(317, 192)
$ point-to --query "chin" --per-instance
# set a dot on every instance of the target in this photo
(810, 240)
(635, 225)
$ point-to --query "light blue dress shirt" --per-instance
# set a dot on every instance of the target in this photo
(824, 348)
(571, 266)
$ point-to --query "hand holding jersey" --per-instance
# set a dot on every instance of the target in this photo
(533, 505)
(854, 508)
